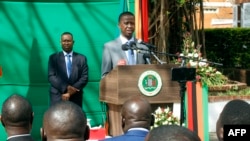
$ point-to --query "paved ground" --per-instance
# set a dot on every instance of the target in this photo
(213, 136)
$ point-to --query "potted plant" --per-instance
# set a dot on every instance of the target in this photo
(164, 116)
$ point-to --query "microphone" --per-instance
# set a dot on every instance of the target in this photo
(125, 47)
(132, 45)
(146, 44)
(129, 45)
(147, 58)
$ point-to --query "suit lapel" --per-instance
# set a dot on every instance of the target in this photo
(119, 48)
(62, 64)
(74, 63)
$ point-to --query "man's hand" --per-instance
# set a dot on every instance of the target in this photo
(65, 96)
(121, 62)
(72, 90)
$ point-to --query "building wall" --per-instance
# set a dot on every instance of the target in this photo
(217, 14)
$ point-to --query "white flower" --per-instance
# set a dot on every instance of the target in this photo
(164, 116)
(190, 55)
(169, 118)
(192, 44)
(166, 110)
(217, 72)
(192, 63)
(196, 55)
(165, 123)
(158, 111)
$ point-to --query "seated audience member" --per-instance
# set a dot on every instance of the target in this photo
(235, 112)
(172, 133)
(17, 116)
(136, 120)
(64, 121)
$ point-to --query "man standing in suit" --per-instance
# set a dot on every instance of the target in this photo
(17, 117)
(113, 54)
(136, 120)
(67, 73)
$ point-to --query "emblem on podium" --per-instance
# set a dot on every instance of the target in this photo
(150, 83)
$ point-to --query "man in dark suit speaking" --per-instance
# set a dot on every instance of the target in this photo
(67, 73)
(114, 54)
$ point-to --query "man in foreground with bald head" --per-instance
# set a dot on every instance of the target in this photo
(64, 121)
(17, 116)
(136, 120)
(172, 133)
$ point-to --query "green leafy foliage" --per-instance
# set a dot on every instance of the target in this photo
(229, 46)
(204, 72)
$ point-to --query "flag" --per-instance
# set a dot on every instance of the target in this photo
(197, 109)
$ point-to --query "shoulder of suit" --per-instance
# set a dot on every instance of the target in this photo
(55, 54)
(78, 54)
(112, 42)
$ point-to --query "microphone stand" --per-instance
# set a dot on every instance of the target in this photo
(150, 51)
(161, 62)
(182, 84)
(182, 75)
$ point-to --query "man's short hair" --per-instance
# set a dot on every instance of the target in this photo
(172, 133)
(67, 33)
(235, 112)
(66, 120)
(126, 13)
(16, 111)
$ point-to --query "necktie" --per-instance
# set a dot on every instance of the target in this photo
(131, 58)
(68, 64)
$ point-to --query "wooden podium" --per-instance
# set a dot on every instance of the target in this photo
(122, 83)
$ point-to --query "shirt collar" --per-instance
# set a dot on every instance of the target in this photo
(14, 136)
(65, 53)
(125, 40)
(142, 129)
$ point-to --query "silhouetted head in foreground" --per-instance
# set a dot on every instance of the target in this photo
(136, 113)
(235, 112)
(172, 133)
(17, 115)
(65, 121)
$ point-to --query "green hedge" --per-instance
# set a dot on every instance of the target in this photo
(229, 46)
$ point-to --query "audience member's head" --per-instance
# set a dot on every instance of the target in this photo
(136, 113)
(65, 121)
(17, 115)
(171, 133)
(235, 112)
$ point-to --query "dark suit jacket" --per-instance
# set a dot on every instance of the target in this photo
(112, 53)
(58, 79)
(133, 135)
(21, 138)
